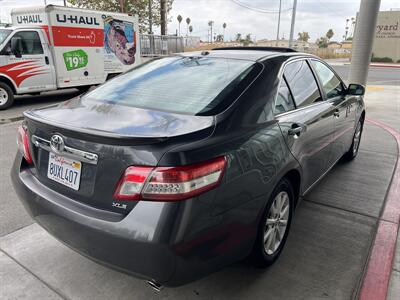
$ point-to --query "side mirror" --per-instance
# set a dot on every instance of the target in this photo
(356, 89)
(16, 46)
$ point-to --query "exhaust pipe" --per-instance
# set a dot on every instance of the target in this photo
(155, 285)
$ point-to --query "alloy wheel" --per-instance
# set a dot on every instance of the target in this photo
(276, 223)
(3, 96)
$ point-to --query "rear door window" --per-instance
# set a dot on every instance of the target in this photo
(331, 84)
(302, 83)
(188, 85)
(284, 100)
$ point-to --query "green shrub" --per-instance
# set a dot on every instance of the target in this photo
(381, 59)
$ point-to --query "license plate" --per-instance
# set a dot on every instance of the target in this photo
(64, 170)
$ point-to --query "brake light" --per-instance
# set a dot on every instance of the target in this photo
(170, 183)
(23, 145)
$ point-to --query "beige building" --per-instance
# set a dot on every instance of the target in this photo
(387, 35)
(301, 45)
(347, 44)
(334, 45)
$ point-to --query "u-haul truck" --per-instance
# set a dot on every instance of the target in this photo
(55, 47)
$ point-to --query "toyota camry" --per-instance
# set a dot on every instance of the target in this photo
(187, 163)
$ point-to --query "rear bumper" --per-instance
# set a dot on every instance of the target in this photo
(155, 240)
(109, 238)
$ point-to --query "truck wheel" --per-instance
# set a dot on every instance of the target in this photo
(84, 88)
(6, 96)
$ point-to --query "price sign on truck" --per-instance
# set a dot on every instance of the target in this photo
(75, 59)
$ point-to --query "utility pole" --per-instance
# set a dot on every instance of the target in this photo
(279, 22)
(122, 5)
(363, 41)
(65, 2)
(163, 5)
(293, 23)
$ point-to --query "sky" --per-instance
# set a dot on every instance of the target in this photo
(314, 16)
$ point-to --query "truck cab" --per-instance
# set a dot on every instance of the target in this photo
(26, 63)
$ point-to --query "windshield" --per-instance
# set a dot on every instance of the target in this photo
(188, 85)
(4, 33)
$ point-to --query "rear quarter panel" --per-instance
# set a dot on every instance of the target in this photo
(220, 226)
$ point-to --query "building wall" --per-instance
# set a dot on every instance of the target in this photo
(387, 35)
(285, 43)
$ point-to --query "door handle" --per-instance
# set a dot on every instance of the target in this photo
(336, 114)
(46, 59)
(295, 131)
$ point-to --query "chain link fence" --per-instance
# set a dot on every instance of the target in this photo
(159, 45)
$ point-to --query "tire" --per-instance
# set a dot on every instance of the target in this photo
(83, 88)
(266, 253)
(6, 96)
(355, 144)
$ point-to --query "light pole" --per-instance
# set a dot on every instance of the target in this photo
(293, 23)
(363, 41)
(279, 22)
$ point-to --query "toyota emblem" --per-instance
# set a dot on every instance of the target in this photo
(57, 143)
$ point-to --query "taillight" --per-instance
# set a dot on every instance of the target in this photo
(23, 145)
(132, 182)
(170, 183)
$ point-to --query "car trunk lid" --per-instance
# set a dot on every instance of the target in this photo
(119, 136)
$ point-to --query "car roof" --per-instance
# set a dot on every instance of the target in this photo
(246, 53)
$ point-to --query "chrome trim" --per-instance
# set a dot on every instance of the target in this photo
(69, 152)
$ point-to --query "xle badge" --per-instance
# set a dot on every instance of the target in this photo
(119, 205)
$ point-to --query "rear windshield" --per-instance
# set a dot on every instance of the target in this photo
(187, 85)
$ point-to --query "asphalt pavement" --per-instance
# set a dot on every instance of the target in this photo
(376, 75)
(25, 102)
(326, 252)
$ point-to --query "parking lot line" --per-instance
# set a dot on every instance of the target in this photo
(376, 280)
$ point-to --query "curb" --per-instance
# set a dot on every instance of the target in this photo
(397, 66)
(375, 283)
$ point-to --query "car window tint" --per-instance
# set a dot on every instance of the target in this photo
(188, 85)
(284, 101)
(331, 84)
(30, 42)
(302, 83)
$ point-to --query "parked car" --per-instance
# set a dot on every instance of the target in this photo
(187, 163)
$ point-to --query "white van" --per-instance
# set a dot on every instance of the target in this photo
(55, 47)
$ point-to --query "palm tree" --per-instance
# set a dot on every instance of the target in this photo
(224, 26)
(220, 38)
(211, 24)
(190, 29)
(187, 25)
(179, 18)
(329, 34)
(303, 36)
(238, 37)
